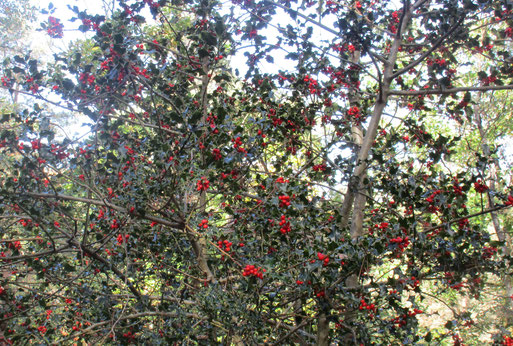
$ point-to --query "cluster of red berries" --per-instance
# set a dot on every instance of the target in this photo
(456, 187)
(365, 306)
(320, 293)
(115, 224)
(431, 198)
(217, 154)
(281, 180)
(14, 245)
(129, 335)
(488, 252)
(36, 144)
(111, 192)
(415, 282)
(507, 341)
(202, 184)
(480, 186)
(25, 223)
(6, 81)
(402, 243)
(324, 258)
(401, 320)
(121, 239)
(86, 78)
(319, 168)
(312, 84)
(251, 270)
(354, 113)
(226, 244)
(285, 225)
(462, 224)
(381, 226)
(54, 27)
(77, 326)
(237, 144)
(203, 224)
(284, 201)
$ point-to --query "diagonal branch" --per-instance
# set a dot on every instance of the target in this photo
(94, 255)
(448, 91)
(33, 255)
(429, 51)
(175, 225)
(483, 212)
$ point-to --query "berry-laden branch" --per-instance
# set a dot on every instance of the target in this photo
(508, 204)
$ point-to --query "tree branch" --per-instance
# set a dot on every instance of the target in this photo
(448, 91)
(429, 51)
(37, 254)
(487, 211)
(175, 225)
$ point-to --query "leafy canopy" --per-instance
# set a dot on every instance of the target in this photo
(309, 204)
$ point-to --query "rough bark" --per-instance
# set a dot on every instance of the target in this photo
(323, 330)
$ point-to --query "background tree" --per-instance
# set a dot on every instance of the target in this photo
(15, 19)
(307, 205)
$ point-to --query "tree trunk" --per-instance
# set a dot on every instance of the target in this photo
(323, 330)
